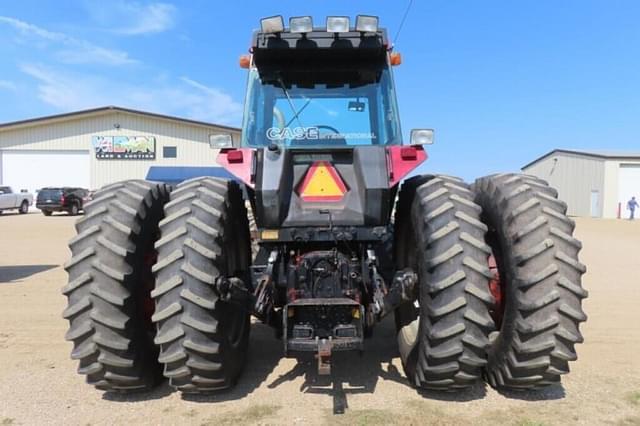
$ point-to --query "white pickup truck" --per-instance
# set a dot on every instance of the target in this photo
(10, 200)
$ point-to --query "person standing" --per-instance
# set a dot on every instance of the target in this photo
(631, 206)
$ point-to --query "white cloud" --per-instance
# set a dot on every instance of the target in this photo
(73, 50)
(8, 85)
(152, 18)
(184, 98)
(29, 29)
(212, 101)
(94, 54)
(133, 18)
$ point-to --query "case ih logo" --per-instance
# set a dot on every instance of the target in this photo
(322, 183)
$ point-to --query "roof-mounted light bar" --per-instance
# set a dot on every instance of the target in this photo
(304, 24)
(272, 24)
(337, 24)
(301, 24)
(366, 23)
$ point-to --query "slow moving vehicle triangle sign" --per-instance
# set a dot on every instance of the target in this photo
(322, 183)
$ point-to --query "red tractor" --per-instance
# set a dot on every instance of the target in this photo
(484, 279)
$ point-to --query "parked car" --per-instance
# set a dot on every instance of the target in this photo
(10, 200)
(64, 199)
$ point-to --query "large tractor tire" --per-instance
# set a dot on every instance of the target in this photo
(443, 342)
(110, 280)
(538, 282)
(204, 236)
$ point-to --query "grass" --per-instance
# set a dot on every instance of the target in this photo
(529, 422)
(364, 417)
(634, 398)
(8, 421)
(252, 415)
(415, 413)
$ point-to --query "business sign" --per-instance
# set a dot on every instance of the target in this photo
(124, 147)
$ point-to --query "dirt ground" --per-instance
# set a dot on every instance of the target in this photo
(39, 385)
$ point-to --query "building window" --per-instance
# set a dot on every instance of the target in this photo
(169, 152)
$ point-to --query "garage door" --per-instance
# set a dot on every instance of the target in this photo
(628, 184)
(33, 170)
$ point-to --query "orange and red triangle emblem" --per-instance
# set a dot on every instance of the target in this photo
(322, 183)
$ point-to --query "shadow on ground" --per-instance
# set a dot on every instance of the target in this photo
(17, 213)
(158, 392)
(356, 374)
(548, 393)
(15, 273)
(265, 351)
(65, 214)
(352, 373)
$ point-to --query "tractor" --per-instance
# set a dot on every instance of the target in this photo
(321, 233)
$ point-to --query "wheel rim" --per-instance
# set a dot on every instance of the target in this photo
(496, 287)
(498, 281)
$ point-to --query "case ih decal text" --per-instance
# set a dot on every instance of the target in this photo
(312, 133)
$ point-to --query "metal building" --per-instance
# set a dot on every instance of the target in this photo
(592, 183)
(92, 148)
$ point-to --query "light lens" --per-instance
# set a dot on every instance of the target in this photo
(270, 234)
(245, 61)
(338, 24)
(300, 24)
(366, 23)
(220, 141)
(422, 137)
(272, 24)
(395, 58)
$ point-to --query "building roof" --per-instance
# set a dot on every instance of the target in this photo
(600, 154)
(105, 110)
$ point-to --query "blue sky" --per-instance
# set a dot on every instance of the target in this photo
(501, 82)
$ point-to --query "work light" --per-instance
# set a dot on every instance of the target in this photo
(338, 24)
(366, 23)
(300, 24)
(421, 136)
(272, 24)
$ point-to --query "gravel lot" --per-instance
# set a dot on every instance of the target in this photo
(38, 383)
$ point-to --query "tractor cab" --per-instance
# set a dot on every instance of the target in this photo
(320, 89)
(321, 140)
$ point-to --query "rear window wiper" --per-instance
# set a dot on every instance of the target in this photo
(293, 108)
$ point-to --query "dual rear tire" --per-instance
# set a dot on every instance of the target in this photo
(131, 231)
(439, 234)
(205, 236)
(109, 284)
(458, 333)
(537, 257)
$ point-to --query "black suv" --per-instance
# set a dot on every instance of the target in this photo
(66, 199)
